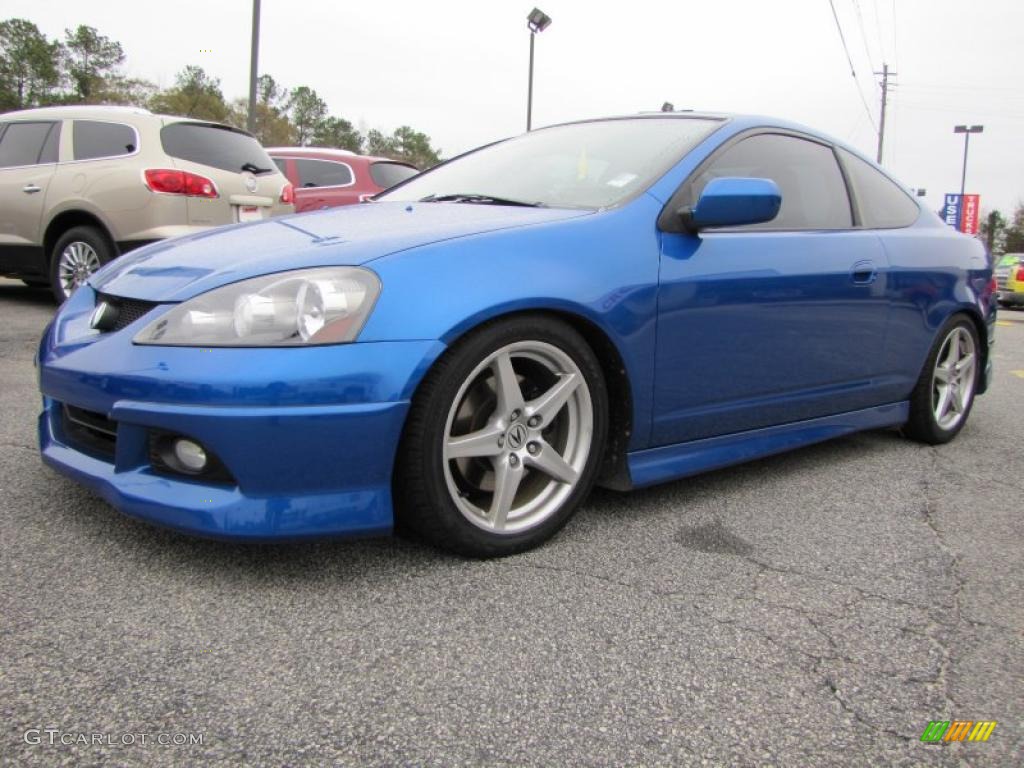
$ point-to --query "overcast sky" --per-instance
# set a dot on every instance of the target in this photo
(457, 69)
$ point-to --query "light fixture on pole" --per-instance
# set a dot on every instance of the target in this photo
(537, 21)
(966, 131)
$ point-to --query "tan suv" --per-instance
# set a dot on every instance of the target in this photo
(82, 185)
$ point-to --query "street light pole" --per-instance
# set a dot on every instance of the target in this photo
(529, 87)
(250, 120)
(537, 21)
(966, 131)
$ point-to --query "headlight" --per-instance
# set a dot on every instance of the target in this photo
(308, 306)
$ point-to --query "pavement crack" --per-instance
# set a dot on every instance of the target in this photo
(933, 629)
(19, 446)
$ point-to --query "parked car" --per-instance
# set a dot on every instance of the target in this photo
(620, 301)
(1010, 280)
(325, 178)
(81, 185)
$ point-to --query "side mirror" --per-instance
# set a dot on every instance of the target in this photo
(732, 202)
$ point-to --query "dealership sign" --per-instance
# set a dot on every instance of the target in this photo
(962, 212)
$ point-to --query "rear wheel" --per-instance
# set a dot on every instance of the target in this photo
(942, 399)
(77, 254)
(504, 439)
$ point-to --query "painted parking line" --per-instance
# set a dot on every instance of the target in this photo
(1018, 374)
(1004, 323)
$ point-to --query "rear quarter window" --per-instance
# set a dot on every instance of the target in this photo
(215, 146)
(93, 139)
(882, 203)
(386, 175)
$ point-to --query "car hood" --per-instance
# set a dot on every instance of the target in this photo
(175, 270)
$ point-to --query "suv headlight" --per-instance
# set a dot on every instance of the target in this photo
(326, 305)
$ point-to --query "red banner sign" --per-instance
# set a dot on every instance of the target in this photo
(969, 208)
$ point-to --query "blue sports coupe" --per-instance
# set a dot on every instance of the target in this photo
(621, 301)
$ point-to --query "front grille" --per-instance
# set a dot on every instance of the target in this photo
(89, 432)
(128, 310)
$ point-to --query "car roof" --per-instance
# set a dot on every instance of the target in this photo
(103, 112)
(330, 154)
(739, 122)
(80, 110)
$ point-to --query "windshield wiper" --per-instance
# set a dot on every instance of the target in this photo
(470, 197)
(253, 168)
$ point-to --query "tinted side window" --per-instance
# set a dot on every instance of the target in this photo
(882, 204)
(93, 139)
(813, 192)
(216, 146)
(388, 174)
(322, 173)
(22, 144)
(281, 164)
(51, 147)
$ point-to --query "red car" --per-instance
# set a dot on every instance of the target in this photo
(325, 178)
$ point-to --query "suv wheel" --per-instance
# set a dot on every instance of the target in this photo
(78, 253)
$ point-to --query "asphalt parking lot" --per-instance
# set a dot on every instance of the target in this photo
(817, 608)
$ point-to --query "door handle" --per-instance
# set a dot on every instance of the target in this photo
(31, 189)
(863, 273)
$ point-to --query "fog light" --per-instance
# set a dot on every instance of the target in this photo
(190, 454)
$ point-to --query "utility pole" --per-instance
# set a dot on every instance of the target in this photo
(886, 74)
(250, 122)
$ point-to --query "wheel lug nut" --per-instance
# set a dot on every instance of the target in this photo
(513, 460)
(534, 421)
(533, 448)
(514, 416)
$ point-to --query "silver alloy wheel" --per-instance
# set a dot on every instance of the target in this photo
(517, 437)
(78, 260)
(954, 378)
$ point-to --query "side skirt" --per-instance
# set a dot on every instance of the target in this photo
(670, 462)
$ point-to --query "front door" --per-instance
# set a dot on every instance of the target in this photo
(771, 323)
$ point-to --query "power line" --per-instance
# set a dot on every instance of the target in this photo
(863, 33)
(895, 55)
(849, 60)
(878, 26)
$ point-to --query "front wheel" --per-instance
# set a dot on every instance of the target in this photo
(77, 254)
(504, 439)
(942, 399)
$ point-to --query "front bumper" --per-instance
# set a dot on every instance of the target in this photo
(308, 436)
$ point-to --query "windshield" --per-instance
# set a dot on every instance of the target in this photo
(1011, 259)
(583, 165)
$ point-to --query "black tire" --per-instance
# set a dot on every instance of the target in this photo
(35, 282)
(90, 237)
(922, 425)
(423, 503)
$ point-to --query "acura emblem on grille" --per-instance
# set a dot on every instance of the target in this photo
(104, 317)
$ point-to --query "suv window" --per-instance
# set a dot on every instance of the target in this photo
(807, 173)
(94, 139)
(388, 174)
(216, 146)
(281, 163)
(28, 144)
(881, 202)
(322, 173)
